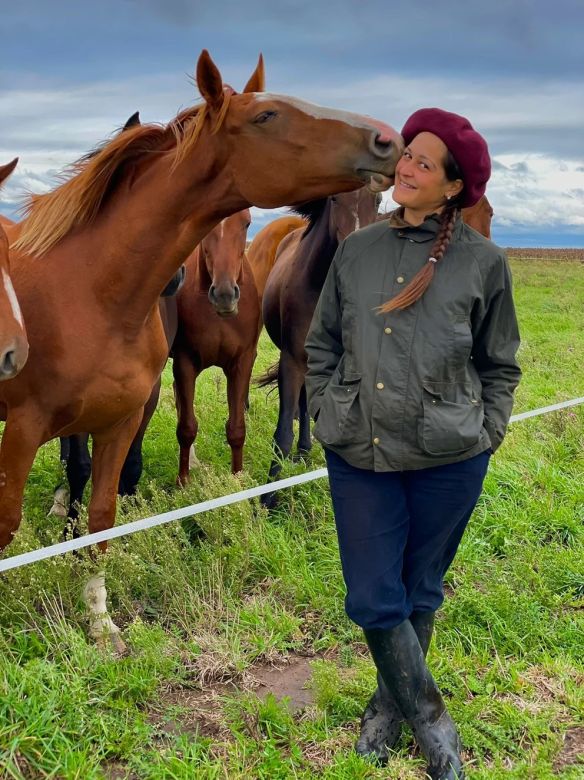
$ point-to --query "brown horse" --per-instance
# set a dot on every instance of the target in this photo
(262, 250)
(93, 364)
(479, 216)
(219, 286)
(75, 448)
(292, 289)
(13, 343)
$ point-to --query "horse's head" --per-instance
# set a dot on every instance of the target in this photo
(13, 343)
(222, 251)
(352, 210)
(279, 150)
(479, 216)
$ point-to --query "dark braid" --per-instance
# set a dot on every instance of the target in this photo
(419, 284)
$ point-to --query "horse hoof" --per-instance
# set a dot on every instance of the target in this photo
(269, 500)
(183, 480)
(60, 503)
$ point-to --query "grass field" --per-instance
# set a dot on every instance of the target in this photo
(210, 608)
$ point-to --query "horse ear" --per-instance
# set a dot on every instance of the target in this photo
(6, 170)
(133, 121)
(257, 81)
(209, 81)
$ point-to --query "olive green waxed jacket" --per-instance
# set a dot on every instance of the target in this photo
(423, 386)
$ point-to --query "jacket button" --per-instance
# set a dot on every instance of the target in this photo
(400, 280)
(376, 440)
(387, 330)
(380, 385)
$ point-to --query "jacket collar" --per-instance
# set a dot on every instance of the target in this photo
(426, 231)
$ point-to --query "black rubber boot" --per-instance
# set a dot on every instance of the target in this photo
(382, 720)
(400, 660)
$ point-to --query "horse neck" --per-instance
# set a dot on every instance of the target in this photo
(318, 247)
(152, 224)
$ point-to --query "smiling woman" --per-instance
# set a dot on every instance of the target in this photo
(411, 396)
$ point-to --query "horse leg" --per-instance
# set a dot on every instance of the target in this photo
(284, 434)
(185, 376)
(61, 495)
(132, 468)
(238, 379)
(110, 448)
(22, 437)
(304, 441)
(78, 473)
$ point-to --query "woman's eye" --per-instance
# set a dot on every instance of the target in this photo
(264, 117)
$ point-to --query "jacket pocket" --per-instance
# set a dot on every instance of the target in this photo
(452, 418)
(334, 425)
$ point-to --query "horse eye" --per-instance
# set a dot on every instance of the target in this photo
(264, 117)
(247, 225)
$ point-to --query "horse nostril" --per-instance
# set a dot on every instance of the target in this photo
(8, 365)
(211, 293)
(382, 145)
(236, 292)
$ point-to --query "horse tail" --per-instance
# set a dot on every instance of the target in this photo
(270, 377)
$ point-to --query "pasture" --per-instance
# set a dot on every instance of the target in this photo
(209, 608)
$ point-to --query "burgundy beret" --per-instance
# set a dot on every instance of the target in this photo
(468, 147)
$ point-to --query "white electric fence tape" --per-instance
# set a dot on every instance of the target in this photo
(16, 561)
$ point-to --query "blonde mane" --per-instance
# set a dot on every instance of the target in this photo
(76, 202)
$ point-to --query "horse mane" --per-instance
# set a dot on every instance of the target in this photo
(88, 182)
(312, 211)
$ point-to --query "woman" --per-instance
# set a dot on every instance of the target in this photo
(411, 373)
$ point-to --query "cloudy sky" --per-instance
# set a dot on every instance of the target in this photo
(72, 71)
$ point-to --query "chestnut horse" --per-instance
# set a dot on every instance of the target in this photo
(13, 343)
(75, 448)
(219, 286)
(262, 250)
(292, 290)
(479, 216)
(96, 242)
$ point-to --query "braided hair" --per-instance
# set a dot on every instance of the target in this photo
(419, 284)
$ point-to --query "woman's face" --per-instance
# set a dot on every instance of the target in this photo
(421, 185)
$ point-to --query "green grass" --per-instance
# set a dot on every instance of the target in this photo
(202, 602)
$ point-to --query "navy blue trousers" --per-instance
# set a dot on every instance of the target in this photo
(398, 534)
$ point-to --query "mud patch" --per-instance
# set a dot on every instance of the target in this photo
(289, 681)
(572, 752)
(199, 711)
(118, 772)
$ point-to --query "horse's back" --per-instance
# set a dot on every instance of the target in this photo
(262, 250)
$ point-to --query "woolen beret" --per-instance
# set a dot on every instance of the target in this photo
(468, 147)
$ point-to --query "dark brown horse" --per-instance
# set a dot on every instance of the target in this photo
(218, 318)
(292, 290)
(13, 342)
(109, 253)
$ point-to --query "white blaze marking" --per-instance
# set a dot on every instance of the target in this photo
(12, 298)
(318, 112)
(95, 596)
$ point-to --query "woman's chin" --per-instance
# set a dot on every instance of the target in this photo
(398, 198)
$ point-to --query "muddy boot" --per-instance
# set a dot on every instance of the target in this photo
(400, 660)
(382, 720)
